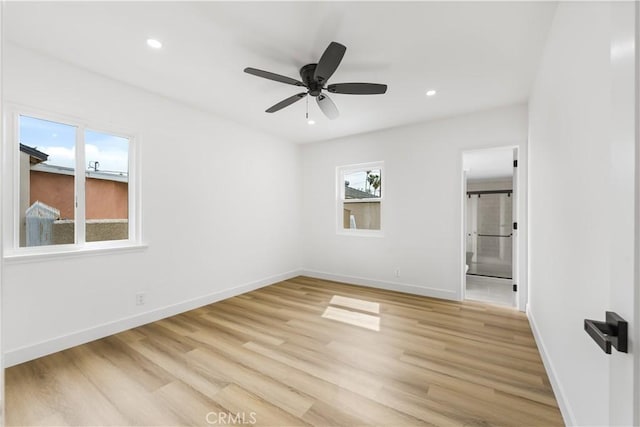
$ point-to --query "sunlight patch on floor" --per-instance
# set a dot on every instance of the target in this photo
(354, 318)
(357, 304)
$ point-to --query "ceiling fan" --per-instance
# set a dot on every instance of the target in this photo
(314, 79)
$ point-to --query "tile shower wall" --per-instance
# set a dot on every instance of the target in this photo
(492, 184)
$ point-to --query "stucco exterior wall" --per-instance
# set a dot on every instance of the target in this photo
(25, 166)
(97, 230)
(367, 215)
(53, 189)
(105, 199)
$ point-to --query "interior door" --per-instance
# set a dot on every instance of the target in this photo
(1, 247)
(514, 233)
(472, 229)
(624, 380)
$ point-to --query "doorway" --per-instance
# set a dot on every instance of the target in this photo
(489, 207)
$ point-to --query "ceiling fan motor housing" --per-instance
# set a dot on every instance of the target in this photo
(306, 73)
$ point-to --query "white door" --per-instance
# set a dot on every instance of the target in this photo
(1, 259)
(514, 234)
(624, 396)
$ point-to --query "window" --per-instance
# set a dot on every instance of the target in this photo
(361, 190)
(73, 184)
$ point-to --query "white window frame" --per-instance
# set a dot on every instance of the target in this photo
(11, 227)
(341, 171)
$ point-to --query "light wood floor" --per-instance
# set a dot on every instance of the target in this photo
(272, 357)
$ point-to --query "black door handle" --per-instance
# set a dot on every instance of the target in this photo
(613, 332)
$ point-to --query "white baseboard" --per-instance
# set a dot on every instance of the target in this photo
(558, 390)
(381, 284)
(24, 354)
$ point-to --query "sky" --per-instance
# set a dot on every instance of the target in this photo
(58, 141)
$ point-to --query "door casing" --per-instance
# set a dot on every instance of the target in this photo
(519, 215)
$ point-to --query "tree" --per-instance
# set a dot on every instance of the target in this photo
(374, 181)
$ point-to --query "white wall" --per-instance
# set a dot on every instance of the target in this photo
(422, 207)
(220, 211)
(574, 218)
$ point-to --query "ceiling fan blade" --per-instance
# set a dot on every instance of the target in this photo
(358, 88)
(285, 103)
(329, 61)
(327, 106)
(273, 76)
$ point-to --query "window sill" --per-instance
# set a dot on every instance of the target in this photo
(360, 233)
(371, 200)
(71, 251)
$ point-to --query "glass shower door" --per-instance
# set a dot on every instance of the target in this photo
(490, 237)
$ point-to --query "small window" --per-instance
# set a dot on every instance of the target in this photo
(74, 184)
(361, 196)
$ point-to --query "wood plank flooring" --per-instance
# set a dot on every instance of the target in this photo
(300, 352)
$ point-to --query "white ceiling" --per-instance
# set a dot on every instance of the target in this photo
(488, 164)
(477, 55)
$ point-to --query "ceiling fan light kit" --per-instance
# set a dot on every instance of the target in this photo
(314, 78)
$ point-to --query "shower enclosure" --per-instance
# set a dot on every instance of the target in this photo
(489, 233)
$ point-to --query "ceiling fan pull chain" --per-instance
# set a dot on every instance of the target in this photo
(307, 116)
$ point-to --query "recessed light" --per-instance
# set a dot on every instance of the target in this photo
(431, 92)
(154, 43)
(311, 122)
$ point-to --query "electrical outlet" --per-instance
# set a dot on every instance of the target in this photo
(397, 272)
(140, 298)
